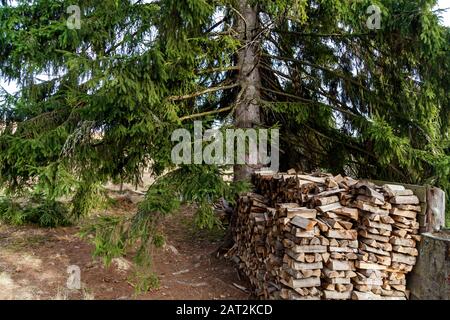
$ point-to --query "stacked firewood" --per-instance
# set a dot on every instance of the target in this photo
(338, 225)
(405, 207)
(375, 227)
(304, 252)
(291, 187)
(323, 236)
(381, 269)
(251, 232)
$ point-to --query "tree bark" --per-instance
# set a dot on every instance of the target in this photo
(247, 106)
(248, 110)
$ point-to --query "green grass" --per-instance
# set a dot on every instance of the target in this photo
(214, 234)
(42, 213)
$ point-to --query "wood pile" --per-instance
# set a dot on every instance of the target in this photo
(304, 252)
(381, 268)
(251, 232)
(338, 224)
(326, 237)
(374, 231)
(404, 238)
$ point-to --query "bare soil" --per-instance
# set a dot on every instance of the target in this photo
(34, 262)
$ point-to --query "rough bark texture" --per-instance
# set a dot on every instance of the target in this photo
(247, 110)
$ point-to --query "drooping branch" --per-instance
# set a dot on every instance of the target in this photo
(354, 147)
(309, 101)
(210, 29)
(271, 82)
(316, 66)
(207, 113)
(323, 35)
(219, 69)
(281, 74)
(200, 93)
(317, 89)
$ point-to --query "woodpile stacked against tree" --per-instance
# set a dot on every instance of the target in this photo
(319, 236)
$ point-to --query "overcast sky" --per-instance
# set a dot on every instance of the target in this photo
(443, 4)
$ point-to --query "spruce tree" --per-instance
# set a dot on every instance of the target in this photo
(348, 98)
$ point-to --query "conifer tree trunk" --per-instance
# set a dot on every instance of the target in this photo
(247, 110)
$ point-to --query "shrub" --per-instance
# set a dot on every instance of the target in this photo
(47, 214)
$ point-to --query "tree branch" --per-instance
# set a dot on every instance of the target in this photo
(215, 26)
(309, 101)
(354, 147)
(219, 69)
(323, 35)
(207, 113)
(316, 66)
(200, 93)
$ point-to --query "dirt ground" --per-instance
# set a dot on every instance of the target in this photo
(34, 262)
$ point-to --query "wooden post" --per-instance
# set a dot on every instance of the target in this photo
(435, 209)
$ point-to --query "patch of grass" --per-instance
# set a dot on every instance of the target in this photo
(108, 238)
(111, 240)
(47, 214)
(104, 201)
(143, 281)
(159, 240)
(109, 202)
(214, 233)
